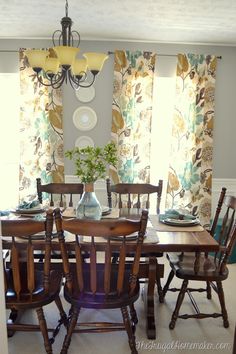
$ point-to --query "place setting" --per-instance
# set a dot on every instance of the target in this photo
(176, 220)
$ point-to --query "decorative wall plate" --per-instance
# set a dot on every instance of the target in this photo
(84, 141)
(85, 94)
(84, 118)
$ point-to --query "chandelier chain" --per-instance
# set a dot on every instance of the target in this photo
(66, 8)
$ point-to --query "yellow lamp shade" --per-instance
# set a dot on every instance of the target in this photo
(65, 54)
(51, 65)
(79, 67)
(95, 61)
(37, 57)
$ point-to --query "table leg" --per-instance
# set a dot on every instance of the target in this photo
(12, 319)
(149, 298)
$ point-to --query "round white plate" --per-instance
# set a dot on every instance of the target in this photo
(84, 141)
(85, 94)
(84, 118)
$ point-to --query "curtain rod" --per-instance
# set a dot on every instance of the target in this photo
(169, 55)
(160, 55)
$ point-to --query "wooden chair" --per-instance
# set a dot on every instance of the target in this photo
(125, 193)
(60, 189)
(101, 285)
(211, 269)
(234, 344)
(30, 285)
(218, 211)
(134, 189)
(212, 231)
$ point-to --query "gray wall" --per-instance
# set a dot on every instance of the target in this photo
(224, 165)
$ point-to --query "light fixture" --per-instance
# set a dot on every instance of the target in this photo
(59, 65)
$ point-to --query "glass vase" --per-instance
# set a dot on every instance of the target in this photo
(88, 206)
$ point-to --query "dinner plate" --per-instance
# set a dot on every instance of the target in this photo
(177, 222)
(84, 118)
(29, 211)
(120, 238)
(105, 210)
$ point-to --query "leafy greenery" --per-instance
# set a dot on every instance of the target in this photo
(91, 162)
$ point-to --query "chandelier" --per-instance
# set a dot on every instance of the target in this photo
(59, 65)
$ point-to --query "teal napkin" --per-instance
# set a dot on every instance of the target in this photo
(4, 212)
(175, 214)
(28, 205)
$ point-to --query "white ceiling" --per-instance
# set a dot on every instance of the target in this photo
(182, 21)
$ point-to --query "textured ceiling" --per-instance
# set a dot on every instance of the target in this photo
(186, 21)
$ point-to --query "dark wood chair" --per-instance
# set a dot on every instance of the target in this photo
(101, 285)
(212, 231)
(30, 285)
(218, 211)
(136, 195)
(234, 344)
(61, 189)
(126, 192)
(211, 269)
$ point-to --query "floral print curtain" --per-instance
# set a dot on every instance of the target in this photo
(41, 134)
(190, 168)
(132, 114)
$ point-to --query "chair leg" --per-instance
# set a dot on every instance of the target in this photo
(159, 289)
(208, 289)
(63, 316)
(129, 331)
(44, 330)
(167, 284)
(222, 304)
(74, 318)
(133, 316)
(178, 304)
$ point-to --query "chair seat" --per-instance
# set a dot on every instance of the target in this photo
(100, 300)
(39, 296)
(183, 267)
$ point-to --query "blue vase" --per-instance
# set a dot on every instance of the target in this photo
(88, 206)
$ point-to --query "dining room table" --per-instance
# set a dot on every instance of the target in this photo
(159, 237)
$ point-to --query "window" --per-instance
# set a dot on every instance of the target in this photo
(163, 97)
(9, 140)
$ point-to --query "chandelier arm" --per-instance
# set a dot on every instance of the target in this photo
(59, 37)
(59, 82)
(59, 78)
(78, 82)
(76, 33)
(75, 82)
(90, 84)
(43, 82)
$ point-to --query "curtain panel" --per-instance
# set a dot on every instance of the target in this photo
(132, 115)
(41, 133)
(190, 169)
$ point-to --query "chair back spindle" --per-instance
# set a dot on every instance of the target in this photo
(96, 277)
(59, 189)
(134, 195)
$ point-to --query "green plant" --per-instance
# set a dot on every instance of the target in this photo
(91, 162)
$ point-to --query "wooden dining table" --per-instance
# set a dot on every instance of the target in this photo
(159, 238)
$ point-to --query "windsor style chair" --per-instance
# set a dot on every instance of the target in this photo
(136, 195)
(101, 284)
(30, 285)
(212, 269)
(59, 189)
